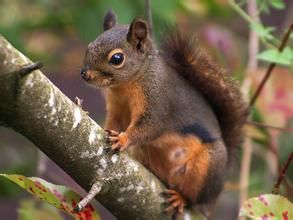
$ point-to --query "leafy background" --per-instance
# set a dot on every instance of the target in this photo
(57, 33)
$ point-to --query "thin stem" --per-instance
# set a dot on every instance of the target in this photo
(271, 67)
(242, 13)
(262, 125)
(253, 44)
(282, 174)
(148, 11)
(288, 187)
(245, 169)
(252, 64)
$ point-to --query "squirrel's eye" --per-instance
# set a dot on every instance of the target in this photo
(116, 58)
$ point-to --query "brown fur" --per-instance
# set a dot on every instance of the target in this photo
(219, 89)
(182, 162)
(125, 105)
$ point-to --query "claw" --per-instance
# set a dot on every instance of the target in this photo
(176, 201)
(172, 198)
(113, 139)
(112, 132)
(169, 209)
(111, 136)
(117, 140)
(171, 192)
(115, 146)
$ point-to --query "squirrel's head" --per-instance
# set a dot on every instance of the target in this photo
(119, 54)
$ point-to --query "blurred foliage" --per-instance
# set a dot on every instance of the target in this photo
(264, 5)
(266, 33)
(271, 147)
(57, 32)
(53, 20)
(31, 209)
(15, 157)
(85, 17)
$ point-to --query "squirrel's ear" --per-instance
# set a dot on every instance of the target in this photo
(138, 34)
(109, 20)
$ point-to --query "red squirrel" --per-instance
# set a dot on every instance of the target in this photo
(180, 114)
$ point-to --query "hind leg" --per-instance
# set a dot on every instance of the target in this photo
(188, 166)
(187, 174)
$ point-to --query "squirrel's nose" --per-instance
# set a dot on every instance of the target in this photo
(84, 74)
(88, 74)
(82, 71)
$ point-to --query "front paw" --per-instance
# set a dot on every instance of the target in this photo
(176, 202)
(118, 141)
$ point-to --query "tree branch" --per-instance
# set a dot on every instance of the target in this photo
(34, 107)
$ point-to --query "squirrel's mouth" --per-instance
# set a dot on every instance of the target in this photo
(97, 78)
(104, 81)
(101, 81)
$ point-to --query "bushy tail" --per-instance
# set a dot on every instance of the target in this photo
(217, 87)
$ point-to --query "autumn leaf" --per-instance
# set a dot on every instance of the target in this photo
(59, 196)
(267, 207)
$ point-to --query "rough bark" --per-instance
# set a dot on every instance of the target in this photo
(34, 107)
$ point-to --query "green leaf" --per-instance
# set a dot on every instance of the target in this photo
(278, 4)
(267, 206)
(273, 55)
(59, 196)
(262, 31)
(264, 5)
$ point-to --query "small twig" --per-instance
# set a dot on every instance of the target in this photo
(242, 13)
(271, 67)
(95, 189)
(247, 145)
(282, 174)
(288, 187)
(245, 169)
(30, 68)
(262, 125)
(78, 102)
(148, 11)
(253, 42)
